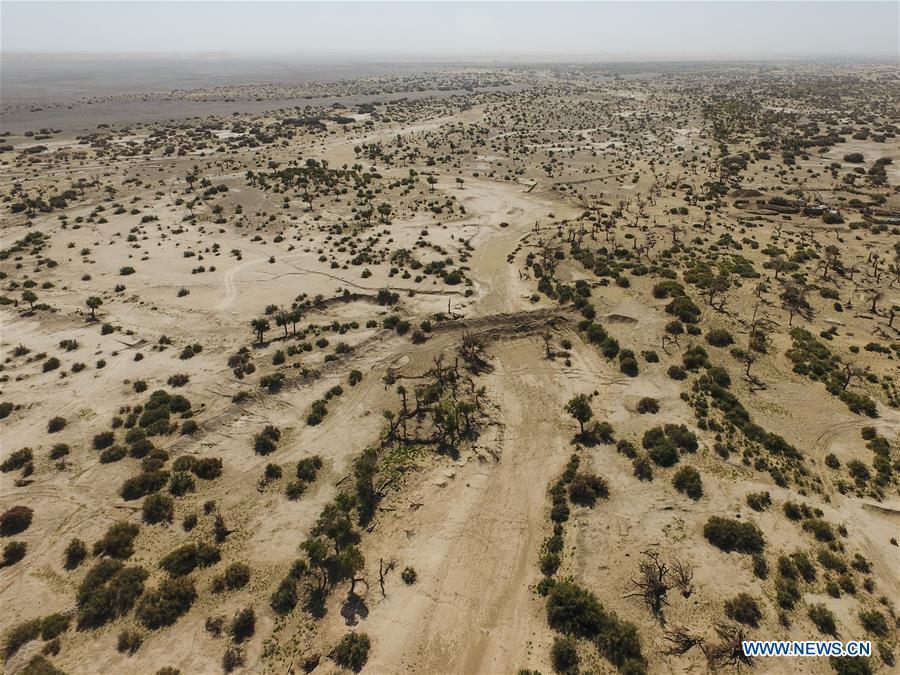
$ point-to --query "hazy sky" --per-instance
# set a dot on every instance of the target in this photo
(603, 30)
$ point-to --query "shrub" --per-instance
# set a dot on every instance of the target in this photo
(820, 529)
(851, 665)
(207, 468)
(13, 552)
(54, 625)
(677, 373)
(112, 454)
(16, 460)
(74, 555)
(237, 575)
(352, 651)
(648, 405)
(56, 424)
(284, 599)
(787, 592)
(642, 467)
(823, 619)
(129, 642)
(695, 357)
(107, 591)
(743, 609)
(118, 542)
(682, 436)
(163, 605)
(663, 452)
(586, 488)
(15, 520)
(308, 468)
(187, 558)
(629, 366)
(574, 610)
(232, 658)
(759, 501)
(760, 567)
(719, 338)
(181, 483)
(20, 634)
(143, 484)
(158, 508)
(38, 665)
(687, 480)
(564, 655)
(264, 442)
(409, 576)
(244, 625)
(733, 535)
(103, 440)
(874, 622)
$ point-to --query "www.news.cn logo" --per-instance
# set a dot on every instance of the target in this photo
(806, 648)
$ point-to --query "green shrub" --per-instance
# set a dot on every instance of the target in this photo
(108, 590)
(21, 634)
(15, 520)
(823, 619)
(103, 440)
(733, 535)
(642, 468)
(719, 338)
(629, 366)
(586, 488)
(851, 665)
(163, 605)
(237, 575)
(118, 542)
(687, 480)
(129, 642)
(352, 651)
(17, 460)
(38, 665)
(74, 555)
(874, 622)
(308, 468)
(743, 609)
(648, 405)
(187, 558)
(787, 592)
(143, 484)
(564, 655)
(574, 610)
(54, 625)
(244, 625)
(284, 599)
(759, 501)
(56, 424)
(158, 508)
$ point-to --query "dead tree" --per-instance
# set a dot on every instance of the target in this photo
(682, 641)
(383, 569)
(684, 577)
(653, 584)
(730, 651)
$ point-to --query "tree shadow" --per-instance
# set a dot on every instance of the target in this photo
(315, 604)
(354, 609)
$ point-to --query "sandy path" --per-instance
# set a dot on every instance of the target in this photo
(473, 609)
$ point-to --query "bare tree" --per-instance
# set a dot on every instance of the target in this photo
(653, 584)
(682, 641)
(730, 651)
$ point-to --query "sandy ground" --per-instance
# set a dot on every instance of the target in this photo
(517, 173)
